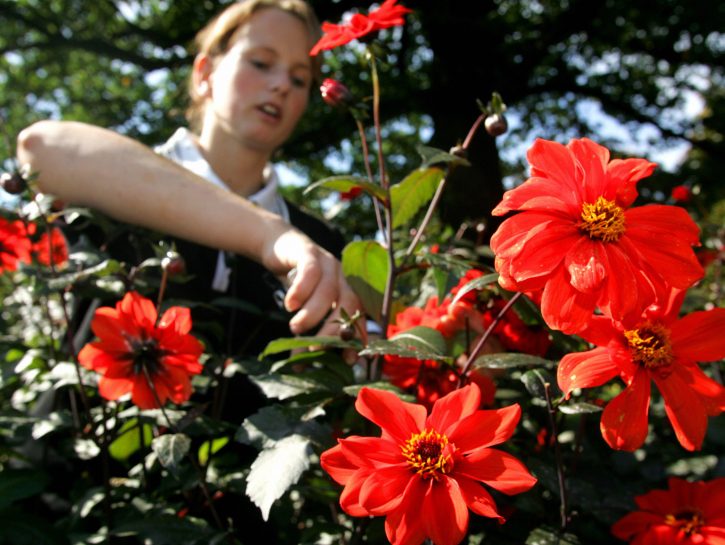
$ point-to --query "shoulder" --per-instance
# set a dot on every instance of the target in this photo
(177, 146)
(319, 230)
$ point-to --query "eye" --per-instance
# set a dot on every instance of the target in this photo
(299, 82)
(259, 65)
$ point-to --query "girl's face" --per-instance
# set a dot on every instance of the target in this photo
(258, 90)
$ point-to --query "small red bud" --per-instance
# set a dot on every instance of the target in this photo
(13, 182)
(173, 263)
(681, 193)
(335, 93)
(496, 124)
(347, 332)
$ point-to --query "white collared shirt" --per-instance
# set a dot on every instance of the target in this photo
(182, 149)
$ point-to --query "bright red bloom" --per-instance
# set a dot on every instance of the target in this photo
(14, 245)
(687, 513)
(657, 347)
(681, 193)
(132, 345)
(425, 471)
(335, 93)
(51, 248)
(514, 333)
(354, 192)
(577, 239)
(387, 15)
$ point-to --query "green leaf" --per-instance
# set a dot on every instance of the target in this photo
(277, 386)
(415, 191)
(475, 284)
(209, 448)
(276, 469)
(365, 266)
(580, 408)
(292, 343)
(548, 536)
(129, 440)
(346, 183)
(535, 381)
(171, 449)
(166, 530)
(271, 424)
(105, 268)
(510, 360)
(420, 342)
(23, 528)
(432, 156)
(16, 484)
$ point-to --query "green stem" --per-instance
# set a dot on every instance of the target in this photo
(369, 171)
(563, 508)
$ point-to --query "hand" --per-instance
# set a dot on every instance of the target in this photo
(318, 285)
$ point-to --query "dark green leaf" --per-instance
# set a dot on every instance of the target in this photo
(420, 342)
(292, 343)
(536, 380)
(346, 183)
(580, 408)
(475, 284)
(510, 360)
(548, 536)
(16, 484)
(171, 449)
(166, 530)
(432, 156)
(414, 192)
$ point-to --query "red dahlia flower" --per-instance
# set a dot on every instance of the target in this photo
(387, 15)
(425, 471)
(14, 245)
(51, 248)
(682, 193)
(577, 239)
(133, 348)
(657, 347)
(688, 513)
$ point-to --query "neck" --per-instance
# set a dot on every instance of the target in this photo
(238, 166)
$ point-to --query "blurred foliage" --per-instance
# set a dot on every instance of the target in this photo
(629, 74)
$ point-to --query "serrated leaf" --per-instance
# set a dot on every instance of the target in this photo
(510, 360)
(105, 268)
(432, 156)
(414, 192)
(292, 343)
(171, 449)
(580, 408)
(366, 268)
(272, 424)
(276, 469)
(346, 183)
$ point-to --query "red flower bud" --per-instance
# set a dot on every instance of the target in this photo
(335, 93)
(681, 193)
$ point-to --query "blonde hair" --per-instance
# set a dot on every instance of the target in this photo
(219, 35)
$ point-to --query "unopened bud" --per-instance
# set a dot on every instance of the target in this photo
(335, 93)
(13, 182)
(496, 124)
(173, 263)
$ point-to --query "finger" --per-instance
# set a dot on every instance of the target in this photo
(320, 300)
(303, 283)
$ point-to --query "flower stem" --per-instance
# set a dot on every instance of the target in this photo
(482, 341)
(369, 171)
(194, 464)
(563, 509)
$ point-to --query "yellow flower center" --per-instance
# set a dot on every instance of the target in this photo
(429, 454)
(650, 345)
(688, 521)
(603, 220)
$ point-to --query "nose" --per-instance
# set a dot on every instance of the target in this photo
(280, 82)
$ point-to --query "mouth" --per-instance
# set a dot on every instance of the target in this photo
(270, 110)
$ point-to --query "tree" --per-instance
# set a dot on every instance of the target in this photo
(123, 65)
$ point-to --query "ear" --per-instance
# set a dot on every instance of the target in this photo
(201, 75)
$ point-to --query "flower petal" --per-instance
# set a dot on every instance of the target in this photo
(563, 307)
(397, 418)
(711, 392)
(586, 263)
(485, 428)
(445, 513)
(634, 523)
(692, 337)
(336, 464)
(478, 499)
(113, 388)
(684, 409)
(450, 409)
(383, 490)
(404, 526)
(497, 469)
(585, 370)
(624, 420)
(350, 497)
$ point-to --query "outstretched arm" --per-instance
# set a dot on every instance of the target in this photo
(101, 169)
